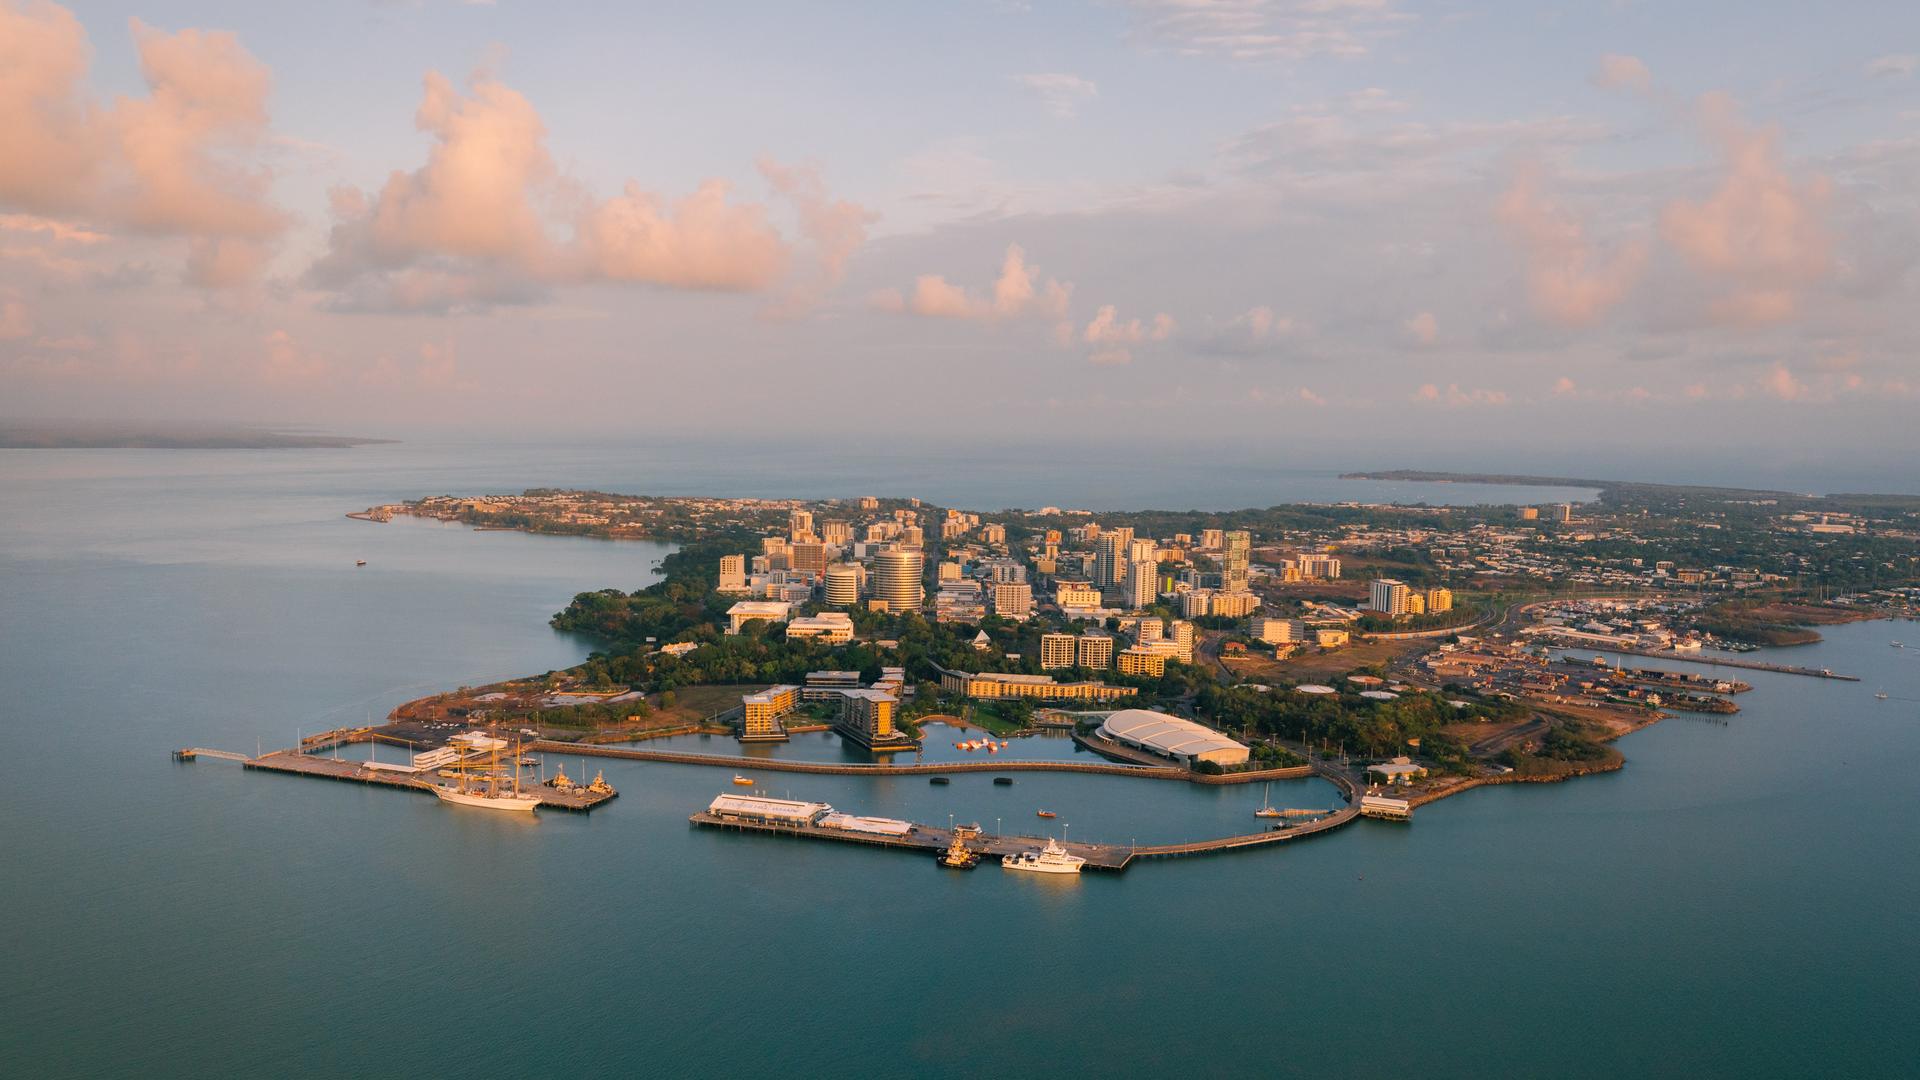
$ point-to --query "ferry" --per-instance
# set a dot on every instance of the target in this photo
(1053, 859)
(742, 781)
(1046, 813)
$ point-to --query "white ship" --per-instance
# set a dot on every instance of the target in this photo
(1053, 859)
(491, 784)
(505, 800)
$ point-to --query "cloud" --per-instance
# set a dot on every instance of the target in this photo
(1262, 323)
(1564, 278)
(1108, 329)
(1016, 292)
(1782, 384)
(16, 319)
(485, 220)
(1309, 397)
(1760, 236)
(63, 232)
(1061, 94)
(285, 360)
(1454, 397)
(1424, 328)
(1619, 72)
(1565, 387)
(1267, 30)
(168, 164)
(1110, 357)
(1893, 65)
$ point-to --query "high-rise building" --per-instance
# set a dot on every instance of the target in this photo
(1563, 513)
(800, 525)
(1142, 585)
(1239, 552)
(1439, 600)
(1110, 560)
(1234, 605)
(1145, 630)
(867, 715)
(1387, 596)
(1013, 600)
(1416, 603)
(868, 502)
(993, 534)
(913, 536)
(1316, 565)
(762, 713)
(807, 556)
(1182, 634)
(839, 533)
(1213, 539)
(1072, 594)
(843, 585)
(733, 574)
(1093, 651)
(1056, 651)
(1140, 660)
(897, 575)
(1529, 513)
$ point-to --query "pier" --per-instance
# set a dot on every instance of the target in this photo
(1699, 658)
(931, 839)
(850, 768)
(293, 762)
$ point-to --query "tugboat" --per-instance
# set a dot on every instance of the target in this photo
(742, 781)
(958, 856)
(1046, 813)
(600, 785)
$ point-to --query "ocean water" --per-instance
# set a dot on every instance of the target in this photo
(1737, 901)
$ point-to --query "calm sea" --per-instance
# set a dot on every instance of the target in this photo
(1736, 901)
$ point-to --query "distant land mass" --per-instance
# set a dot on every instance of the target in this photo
(1620, 492)
(96, 436)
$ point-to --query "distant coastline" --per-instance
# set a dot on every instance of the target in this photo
(132, 437)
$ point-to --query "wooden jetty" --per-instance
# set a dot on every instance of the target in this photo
(1726, 662)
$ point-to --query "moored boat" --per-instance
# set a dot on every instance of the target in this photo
(742, 781)
(1052, 859)
(1046, 813)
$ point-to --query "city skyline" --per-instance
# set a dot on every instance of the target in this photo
(1376, 220)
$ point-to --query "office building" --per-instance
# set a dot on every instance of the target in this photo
(843, 585)
(897, 577)
(747, 611)
(807, 556)
(828, 627)
(1277, 631)
(1013, 600)
(733, 574)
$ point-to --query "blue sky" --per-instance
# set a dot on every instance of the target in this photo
(1624, 224)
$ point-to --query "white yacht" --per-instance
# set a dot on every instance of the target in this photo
(1052, 859)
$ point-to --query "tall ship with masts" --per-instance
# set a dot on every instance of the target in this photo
(483, 780)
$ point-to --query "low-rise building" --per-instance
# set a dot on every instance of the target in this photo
(747, 611)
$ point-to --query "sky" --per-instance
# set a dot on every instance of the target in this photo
(1280, 227)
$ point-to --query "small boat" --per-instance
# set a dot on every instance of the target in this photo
(1003, 781)
(1046, 813)
(938, 780)
(742, 781)
(1882, 695)
(359, 562)
(1267, 809)
(1897, 645)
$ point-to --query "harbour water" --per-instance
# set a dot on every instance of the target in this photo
(1736, 901)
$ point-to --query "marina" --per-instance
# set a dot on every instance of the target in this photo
(571, 797)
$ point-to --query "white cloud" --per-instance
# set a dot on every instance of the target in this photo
(1059, 93)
